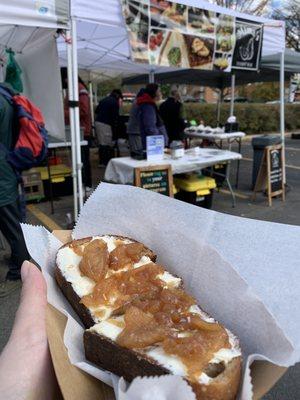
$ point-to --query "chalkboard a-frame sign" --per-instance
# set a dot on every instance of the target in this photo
(270, 175)
(157, 178)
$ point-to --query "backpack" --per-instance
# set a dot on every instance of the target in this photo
(31, 136)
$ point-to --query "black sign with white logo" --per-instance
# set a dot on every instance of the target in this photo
(248, 45)
(276, 170)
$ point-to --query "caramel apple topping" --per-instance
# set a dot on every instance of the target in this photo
(125, 255)
(119, 289)
(141, 330)
(94, 262)
(165, 319)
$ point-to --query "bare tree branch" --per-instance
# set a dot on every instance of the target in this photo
(290, 13)
(254, 7)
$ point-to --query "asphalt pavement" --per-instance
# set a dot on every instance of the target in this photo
(288, 387)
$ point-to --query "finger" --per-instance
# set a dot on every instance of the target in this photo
(31, 313)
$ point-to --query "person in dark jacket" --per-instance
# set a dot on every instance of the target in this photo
(149, 118)
(171, 113)
(10, 214)
(107, 116)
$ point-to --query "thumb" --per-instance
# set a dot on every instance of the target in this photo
(31, 314)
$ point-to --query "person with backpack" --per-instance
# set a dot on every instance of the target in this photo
(10, 215)
(23, 145)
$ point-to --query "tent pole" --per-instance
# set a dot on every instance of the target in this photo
(72, 125)
(91, 102)
(151, 76)
(219, 107)
(232, 94)
(76, 110)
(282, 116)
(96, 95)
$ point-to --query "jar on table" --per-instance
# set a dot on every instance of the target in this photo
(177, 149)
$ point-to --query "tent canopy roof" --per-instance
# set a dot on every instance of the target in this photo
(291, 61)
(46, 14)
(268, 73)
(103, 45)
(108, 12)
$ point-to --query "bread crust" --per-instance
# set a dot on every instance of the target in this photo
(130, 364)
(66, 287)
(81, 310)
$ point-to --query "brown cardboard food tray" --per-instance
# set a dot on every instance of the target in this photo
(77, 385)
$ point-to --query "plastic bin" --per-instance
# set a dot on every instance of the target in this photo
(61, 178)
(195, 189)
(33, 185)
(259, 143)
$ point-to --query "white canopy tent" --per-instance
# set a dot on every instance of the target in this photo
(36, 53)
(97, 41)
(29, 29)
(103, 44)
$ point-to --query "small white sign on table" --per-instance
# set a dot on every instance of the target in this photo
(155, 147)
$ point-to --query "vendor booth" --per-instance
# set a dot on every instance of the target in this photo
(103, 46)
(106, 42)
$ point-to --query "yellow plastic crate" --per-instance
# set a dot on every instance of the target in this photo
(195, 183)
(58, 172)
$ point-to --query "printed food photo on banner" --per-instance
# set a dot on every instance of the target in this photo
(222, 62)
(225, 38)
(168, 15)
(201, 21)
(248, 45)
(137, 22)
(157, 38)
(200, 51)
(174, 52)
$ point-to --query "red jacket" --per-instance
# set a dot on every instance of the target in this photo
(84, 110)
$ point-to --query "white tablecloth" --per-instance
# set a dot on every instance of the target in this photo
(213, 136)
(57, 145)
(121, 170)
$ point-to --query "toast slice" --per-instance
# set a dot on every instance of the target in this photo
(222, 382)
(70, 280)
(149, 325)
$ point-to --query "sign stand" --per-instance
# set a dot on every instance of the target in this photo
(157, 178)
(270, 175)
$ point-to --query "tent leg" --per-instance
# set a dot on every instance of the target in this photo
(96, 95)
(232, 94)
(72, 124)
(91, 102)
(219, 107)
(151, 77)
(76, 111)
(282, 116)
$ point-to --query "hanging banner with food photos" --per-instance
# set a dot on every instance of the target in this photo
(248, 45)
(176, 35)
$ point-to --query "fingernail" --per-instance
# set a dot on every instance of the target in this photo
(25, 270)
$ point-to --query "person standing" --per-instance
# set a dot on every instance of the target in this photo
(10, 213)
(106, 125)
(150, 120)
(171, 113)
